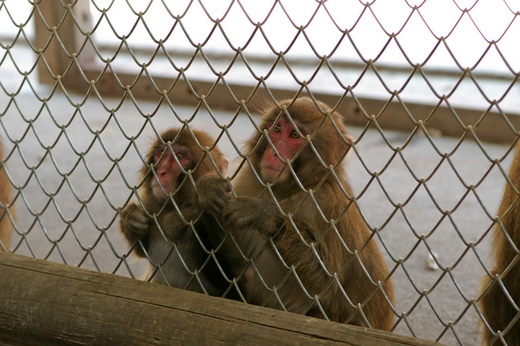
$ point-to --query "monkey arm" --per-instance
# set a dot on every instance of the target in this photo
(248, 223)
(252, 221)
(135, 226)
(253, 213)
(172, 225)
(213, 194)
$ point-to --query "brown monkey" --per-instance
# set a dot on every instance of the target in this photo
(165, 223)
(297, 240)
(6, 197)
(495, 302)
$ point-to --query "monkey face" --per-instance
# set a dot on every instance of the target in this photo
(170, 167)
(286, 142)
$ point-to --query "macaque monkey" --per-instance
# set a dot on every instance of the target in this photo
(165, 223)
(495, 302)
(295, 236)
(6, 197)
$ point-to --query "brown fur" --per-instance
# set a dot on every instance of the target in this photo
(494, 304)
(6, 197)
(174, 240)
(316, 248)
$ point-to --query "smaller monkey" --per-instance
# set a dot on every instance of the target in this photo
(6, 197)
(494, 303)
(165, 223)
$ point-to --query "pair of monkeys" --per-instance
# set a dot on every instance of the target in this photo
(289, 236)
(286, 233)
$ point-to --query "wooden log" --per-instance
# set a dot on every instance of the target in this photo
(48, 303)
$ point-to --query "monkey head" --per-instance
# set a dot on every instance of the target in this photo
(178, 154)
(307, 135)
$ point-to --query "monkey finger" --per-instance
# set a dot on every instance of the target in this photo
(138, 217)
(213, 195)
(252, 213)
(139, 230)
(210, 183)
(222, 198)
(138, 224)
(237, 212)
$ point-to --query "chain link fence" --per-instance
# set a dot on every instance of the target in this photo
(428, 90)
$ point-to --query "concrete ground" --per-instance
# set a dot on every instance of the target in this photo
(73, 165)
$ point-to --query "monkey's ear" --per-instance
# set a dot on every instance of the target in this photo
(224, 165)
(350, 138)
(343, 147)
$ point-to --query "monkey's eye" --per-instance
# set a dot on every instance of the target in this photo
(277, 128)
(180, 156)
(158, 155)
(295, 135)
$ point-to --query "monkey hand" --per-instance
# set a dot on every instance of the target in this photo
(135, 225)
(213, 194)
(253, 213)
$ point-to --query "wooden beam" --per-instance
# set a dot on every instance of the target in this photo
(59, 41)
(489, 126)
(48, 303)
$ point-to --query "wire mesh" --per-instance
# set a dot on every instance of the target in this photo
(72, 155)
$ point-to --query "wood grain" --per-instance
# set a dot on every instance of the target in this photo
(47, 303)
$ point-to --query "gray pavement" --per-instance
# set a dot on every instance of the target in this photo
(72, 180)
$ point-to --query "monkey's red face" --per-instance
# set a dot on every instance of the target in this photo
(287, 142)
(168, 169)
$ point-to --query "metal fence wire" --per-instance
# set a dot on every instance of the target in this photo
(427, 90)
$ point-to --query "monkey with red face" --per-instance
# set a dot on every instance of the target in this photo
(297, 240)
(165, 223)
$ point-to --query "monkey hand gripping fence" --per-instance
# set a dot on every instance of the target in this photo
(343, 160)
